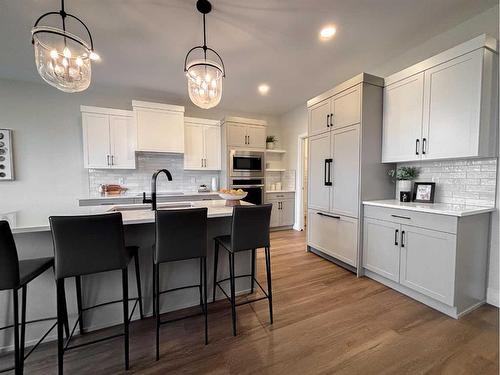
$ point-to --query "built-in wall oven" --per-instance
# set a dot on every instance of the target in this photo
(246, 163)
(253, 186)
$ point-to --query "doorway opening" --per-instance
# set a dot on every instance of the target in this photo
(301, 189)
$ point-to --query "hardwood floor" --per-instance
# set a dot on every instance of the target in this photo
(325, 321)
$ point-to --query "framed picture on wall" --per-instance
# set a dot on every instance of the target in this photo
(423, 192)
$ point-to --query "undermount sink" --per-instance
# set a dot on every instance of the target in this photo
(143, 207)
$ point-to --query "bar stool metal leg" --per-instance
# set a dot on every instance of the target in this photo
(157, 312)
(205, 298)
(233, 297)
(125, 316)
(78, 283)
(154, 285)
(138, 282)
(216, 262)
(60, 312)
(23, 328)
(16, 331)
(252, 281)
(202, 305)
(269, 286)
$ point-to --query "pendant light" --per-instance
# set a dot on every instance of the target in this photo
(204, 76)
(63, 59)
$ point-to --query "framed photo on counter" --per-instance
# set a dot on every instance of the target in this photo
(423, 192)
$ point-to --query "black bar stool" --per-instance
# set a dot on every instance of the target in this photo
(249, 231)
(85, 245)
(15, 274)
(180, 235)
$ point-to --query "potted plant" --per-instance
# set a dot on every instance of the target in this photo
(404, 176)
(270, 141)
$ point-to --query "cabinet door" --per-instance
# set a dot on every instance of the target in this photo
(346, 108)
(212, 148)
(381, 240)
(236, 135)
(275, 214)
(160, 130)
(319, 188)
(256, 136)
(287, 212)
(345, 171)
(123, 141)
(403, 111)
(428, 262)
(452, 108)
(96, 140)
(334, 235)
(319, 117)
(193, 147)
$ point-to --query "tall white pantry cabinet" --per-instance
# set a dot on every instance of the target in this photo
(345, 139)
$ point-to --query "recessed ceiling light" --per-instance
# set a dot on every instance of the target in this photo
(327, 32)
(263, 89)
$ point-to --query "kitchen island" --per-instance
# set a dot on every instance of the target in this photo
(32, 234)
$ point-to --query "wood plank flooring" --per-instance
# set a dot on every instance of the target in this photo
(326, 321)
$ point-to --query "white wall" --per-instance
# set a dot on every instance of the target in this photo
(48, 138)
(294, 122)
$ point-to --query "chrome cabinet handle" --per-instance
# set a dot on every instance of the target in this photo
(327, 121)
(396, 232)
(403, 238)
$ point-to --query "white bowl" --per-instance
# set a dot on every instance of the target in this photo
(233, 197)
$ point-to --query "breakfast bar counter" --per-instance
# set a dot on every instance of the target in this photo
(33, 239)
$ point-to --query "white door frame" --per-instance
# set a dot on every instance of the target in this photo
(299, 204)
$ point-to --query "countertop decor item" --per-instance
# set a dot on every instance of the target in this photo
(111, 189)
(63, 59)
(404, 177)
(423, 192)
(270, 141)
(204, 76)
(6, 156)
(232, 197)
(203, 189)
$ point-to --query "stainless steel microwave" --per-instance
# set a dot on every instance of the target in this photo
(246, 163)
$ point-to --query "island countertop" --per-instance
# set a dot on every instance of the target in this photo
(37, 218)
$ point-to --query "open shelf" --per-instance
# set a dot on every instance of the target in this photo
(275, 170)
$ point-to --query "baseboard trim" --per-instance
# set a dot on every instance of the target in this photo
(493, 297)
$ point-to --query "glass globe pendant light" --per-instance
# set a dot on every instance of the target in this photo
(204, 76)
(63, 60)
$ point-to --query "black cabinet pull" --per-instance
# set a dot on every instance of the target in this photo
(417, 146)
(396, 233)
(329, 178)
(424, 145)
(326, 166)
(401, 217)
(327, 121)
(403, 238)
(330, 216)
(331, 119)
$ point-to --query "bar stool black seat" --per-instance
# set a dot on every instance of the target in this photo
(89, 244)
(15, 274)
(180, 235)
(249, 231)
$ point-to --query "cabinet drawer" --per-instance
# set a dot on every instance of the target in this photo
(334, 235)
(279, 196)
(442, 223)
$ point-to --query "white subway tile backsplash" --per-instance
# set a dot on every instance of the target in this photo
(139, 179)
(470, 182)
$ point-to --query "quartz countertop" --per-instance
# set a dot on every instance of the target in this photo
(433, 208)
(136, 194)
(36, 219)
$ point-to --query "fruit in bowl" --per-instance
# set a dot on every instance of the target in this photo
(232, 196)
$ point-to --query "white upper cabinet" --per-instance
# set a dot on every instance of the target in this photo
(244, 133)
(202, 144)
(403, 110)
(319, 117)
(346, 108)
(453, 108)
(444, 107)
(109, 138)
(160, 127)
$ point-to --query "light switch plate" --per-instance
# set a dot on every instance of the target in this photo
(6, 155)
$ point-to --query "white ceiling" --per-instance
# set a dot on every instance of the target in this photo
(143, 42)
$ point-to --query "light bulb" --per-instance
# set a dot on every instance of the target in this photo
(204, 85)
(65, 62)
(67, 53)
(59, 70)
(214, 83)
(54, 54)
(207, 77)
(94, 56)
(79, 61)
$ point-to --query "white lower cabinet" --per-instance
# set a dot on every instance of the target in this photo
(333, 235)
(283, 212)
(412, 253)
